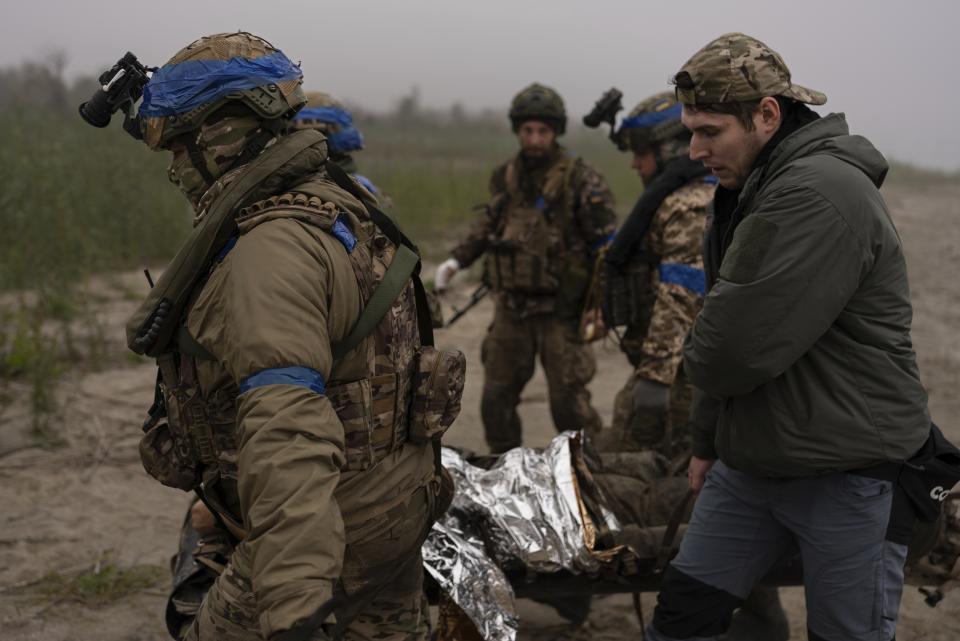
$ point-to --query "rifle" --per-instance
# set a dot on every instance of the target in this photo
(475, 298)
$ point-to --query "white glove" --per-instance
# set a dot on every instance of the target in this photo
(445, 272)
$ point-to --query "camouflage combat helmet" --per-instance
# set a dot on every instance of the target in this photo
(538, 102)
(738, 68)
(330, 117)
(212, 72)
(651, 123)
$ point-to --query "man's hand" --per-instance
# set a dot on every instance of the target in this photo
(445, 272)
(650, 396)
(592, 327)
(697, 472)
(202, 519)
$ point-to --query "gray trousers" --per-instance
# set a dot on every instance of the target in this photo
(743, 525)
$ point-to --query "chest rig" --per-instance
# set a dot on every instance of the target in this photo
(196, 446)
(536, 250)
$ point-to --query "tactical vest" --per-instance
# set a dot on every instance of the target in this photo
(537, 249)
(411, 391)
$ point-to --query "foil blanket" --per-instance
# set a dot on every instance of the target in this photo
(523, 513)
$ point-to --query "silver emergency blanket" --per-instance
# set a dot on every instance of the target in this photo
(522, 513)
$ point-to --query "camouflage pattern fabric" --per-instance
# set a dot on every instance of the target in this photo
(651, 123)
(220, 143)
(654, 344)
(509, 354)
(352, 464)
(438, 388)
(738, 68)
(676, 236)
(271, 101)
(574, 202)
(664, 432)
(538, 102)
(580, 213)
(381, 586)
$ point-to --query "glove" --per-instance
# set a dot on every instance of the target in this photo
(650, 396)
(445, 272)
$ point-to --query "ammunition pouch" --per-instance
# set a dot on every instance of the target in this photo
(527, 263)
(574, 285)
(368, 408)
(197, 439)
(438, 389)
(628, 296)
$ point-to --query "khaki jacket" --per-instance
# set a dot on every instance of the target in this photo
(278, 299)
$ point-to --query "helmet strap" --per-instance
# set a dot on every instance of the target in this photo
(198, 160)
(268, 131)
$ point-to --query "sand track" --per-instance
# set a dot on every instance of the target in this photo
(62, 510)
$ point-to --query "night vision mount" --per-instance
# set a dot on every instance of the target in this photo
(121, 87)
(605, 110)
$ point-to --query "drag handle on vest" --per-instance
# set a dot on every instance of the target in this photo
(477, 296)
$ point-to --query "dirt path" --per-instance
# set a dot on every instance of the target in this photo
(64, 510)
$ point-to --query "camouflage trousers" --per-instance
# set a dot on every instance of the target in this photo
(380, 588)
(509, 354)
(664, 432)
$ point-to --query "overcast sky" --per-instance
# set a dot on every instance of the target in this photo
(891, 65)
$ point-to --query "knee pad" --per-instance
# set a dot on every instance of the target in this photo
(687, 607)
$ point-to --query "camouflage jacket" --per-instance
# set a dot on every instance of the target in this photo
(513, 184)
(676, 283)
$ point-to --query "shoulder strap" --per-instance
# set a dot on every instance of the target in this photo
(401, 268)
(370, 316)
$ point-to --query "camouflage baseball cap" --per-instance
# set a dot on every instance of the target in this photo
(737, 68)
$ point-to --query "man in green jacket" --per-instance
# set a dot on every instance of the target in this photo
(802, 355)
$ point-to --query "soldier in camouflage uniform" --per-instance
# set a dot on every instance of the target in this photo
(330, 117)
(656, 265)
(548, 216)
(290, 407)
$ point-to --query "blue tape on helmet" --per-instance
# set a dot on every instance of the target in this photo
(345, 140)
(331, 115)
(183, 86)
(652, 118)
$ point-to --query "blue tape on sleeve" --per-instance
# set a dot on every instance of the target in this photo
(684, 275)
(301, 376)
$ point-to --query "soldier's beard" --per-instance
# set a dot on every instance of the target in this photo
(534, 157)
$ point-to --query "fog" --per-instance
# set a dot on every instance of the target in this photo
(890, 66)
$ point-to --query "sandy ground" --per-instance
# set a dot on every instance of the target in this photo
(62, 510)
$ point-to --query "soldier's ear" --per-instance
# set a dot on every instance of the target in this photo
(768, 116)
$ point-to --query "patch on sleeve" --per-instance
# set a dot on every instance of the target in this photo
(751, 242)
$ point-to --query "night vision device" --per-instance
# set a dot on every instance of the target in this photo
(120, 88)
(605, 110)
